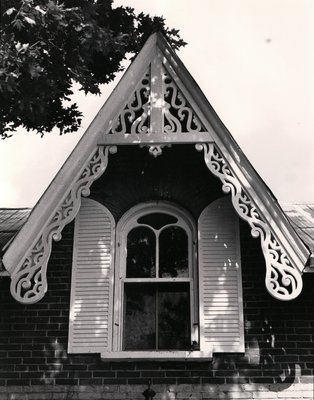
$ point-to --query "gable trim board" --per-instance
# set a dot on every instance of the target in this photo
(27, 256)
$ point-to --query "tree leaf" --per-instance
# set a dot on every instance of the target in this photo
(30, 21)
(10, 11)
(37, 8)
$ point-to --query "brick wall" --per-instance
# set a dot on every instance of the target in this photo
(278, 362)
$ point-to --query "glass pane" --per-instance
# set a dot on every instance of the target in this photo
(173, 253)
(157, 220)
(141, 253)
(174, 317)
(140, 317)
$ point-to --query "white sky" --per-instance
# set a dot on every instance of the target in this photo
(253, 59)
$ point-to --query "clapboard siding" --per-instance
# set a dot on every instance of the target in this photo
(92, 280)
(221, 309)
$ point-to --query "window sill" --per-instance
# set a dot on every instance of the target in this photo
(157, 355)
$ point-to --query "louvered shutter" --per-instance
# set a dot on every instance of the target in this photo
(221, 308)
(90, 329)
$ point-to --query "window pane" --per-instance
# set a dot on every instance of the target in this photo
(173, 253)
(157, 220)
(173, 317)
(141, 253)
(140, 317)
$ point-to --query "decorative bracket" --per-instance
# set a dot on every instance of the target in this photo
(283, 280)
(155, 150)
(29, 280)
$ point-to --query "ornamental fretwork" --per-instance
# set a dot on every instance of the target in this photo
(283, 280)
(29, 281)
(166, 103)
(134, 119)
(178, 113)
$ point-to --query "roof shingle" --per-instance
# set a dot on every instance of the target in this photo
(11, 221)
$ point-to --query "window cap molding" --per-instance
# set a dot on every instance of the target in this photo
(162, 206)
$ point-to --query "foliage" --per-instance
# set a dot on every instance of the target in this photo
(45, 46)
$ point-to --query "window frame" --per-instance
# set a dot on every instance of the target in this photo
(127, 222)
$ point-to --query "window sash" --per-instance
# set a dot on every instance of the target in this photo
(128, 222)
(157, 316)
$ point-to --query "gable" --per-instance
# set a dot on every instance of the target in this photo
(156, 103)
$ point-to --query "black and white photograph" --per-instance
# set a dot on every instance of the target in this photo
(156, 199)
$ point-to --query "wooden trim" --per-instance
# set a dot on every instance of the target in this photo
(156, 99)
(73, 283)
(241, 347)
(156, 280)
(155, 138)
(157, 355)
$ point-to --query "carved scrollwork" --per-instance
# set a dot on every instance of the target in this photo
(135, 116)
(178, 114)
(156, 150)
(282, 280)
(29, 281)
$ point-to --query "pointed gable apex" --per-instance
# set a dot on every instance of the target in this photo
(156, 102)
(157, 106)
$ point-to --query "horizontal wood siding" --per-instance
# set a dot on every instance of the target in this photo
(221, 310)
(92, 280)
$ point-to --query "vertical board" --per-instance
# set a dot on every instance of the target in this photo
(221, 308)
(90, 329)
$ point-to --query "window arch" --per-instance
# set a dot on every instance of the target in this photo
(155, 291)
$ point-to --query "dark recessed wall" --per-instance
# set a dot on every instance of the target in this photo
(178, 175)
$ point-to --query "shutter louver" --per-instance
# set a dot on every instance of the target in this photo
(221, 307)
(90, 329)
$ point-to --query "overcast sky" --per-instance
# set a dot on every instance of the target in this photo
(253, 59)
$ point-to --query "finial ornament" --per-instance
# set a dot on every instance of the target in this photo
(283, 280)
(29, 280)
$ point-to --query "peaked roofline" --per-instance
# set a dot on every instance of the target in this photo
(84, 149)
(60, 203)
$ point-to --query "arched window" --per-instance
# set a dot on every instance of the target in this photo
(155, 279)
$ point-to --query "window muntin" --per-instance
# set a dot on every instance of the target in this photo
(157, 253)
(155, 295)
